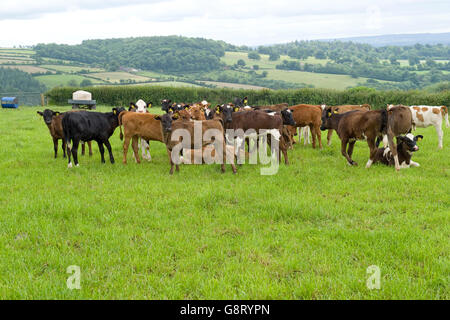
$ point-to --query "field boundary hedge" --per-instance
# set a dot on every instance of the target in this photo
(122, 96)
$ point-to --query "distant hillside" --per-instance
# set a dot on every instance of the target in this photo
(165, 54)
(401, 39)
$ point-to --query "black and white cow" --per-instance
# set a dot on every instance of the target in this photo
(406, 145)
(88, 126)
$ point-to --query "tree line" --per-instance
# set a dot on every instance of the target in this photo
(163, 54)
(13, 80)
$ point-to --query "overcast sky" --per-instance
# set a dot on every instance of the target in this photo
(250, 22)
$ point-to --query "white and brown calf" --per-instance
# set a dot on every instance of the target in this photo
(141, 107)
(425, 116)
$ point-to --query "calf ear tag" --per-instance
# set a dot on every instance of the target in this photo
(236, 109)
(170, 110)
(149, 105)
(335, 111)
(329, 114)
(419, 138)
(245, 101)
(115, 111)
(217, 111)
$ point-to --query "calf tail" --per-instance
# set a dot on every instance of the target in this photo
(66, 132)
(445, 111)
(120, 123)
(384, 121)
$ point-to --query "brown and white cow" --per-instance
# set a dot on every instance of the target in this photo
(426, 116)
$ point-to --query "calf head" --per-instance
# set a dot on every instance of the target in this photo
(48, 115)
(287, 117)
(117, 111)
(227, 111)
(166, 121)
(165, 104)
(327, 113)
(408, 142)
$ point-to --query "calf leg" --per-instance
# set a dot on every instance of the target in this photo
(393, 148)
(83, 148)
(64, 147)
(329, 135)
(69, 151)
(76, 142)
(318, 134)
(55, 146)
(108, 146)
(373, 151)
(171, 162)
(126, 145)
(351, 145)
(440, 134)
(102, 151)
(135, 146)
(344, 143)
(313, 133)
(90, 147)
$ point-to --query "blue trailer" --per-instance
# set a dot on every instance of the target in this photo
(10, 102)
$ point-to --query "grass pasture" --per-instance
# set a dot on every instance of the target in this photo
(308, 232)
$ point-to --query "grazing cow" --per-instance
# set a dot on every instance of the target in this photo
(88, 126)
(170, 126)
(53, 120)
(343, 109)
(135, 126)
(308, 115)
(425, 116)
(406, 145)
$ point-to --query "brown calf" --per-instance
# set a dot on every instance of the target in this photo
(344, 109)
(137, 125)
(53, 120)
(309, 115)
(171, 125)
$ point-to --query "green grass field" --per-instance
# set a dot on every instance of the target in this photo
(308, 232)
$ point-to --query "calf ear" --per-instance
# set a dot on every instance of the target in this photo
(56, 113)
(336, 110)
(40, 113)
(418, 138)
(114, 111)
(149, 104)
(132, 105)
(158, 118)
(236, 109)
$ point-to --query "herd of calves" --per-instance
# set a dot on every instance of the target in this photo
(351, 123)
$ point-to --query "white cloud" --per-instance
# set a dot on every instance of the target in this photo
(236, 21)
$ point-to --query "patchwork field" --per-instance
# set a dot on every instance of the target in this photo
(28, 69)
(64, 80)
(308, 232)
(115, 77)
